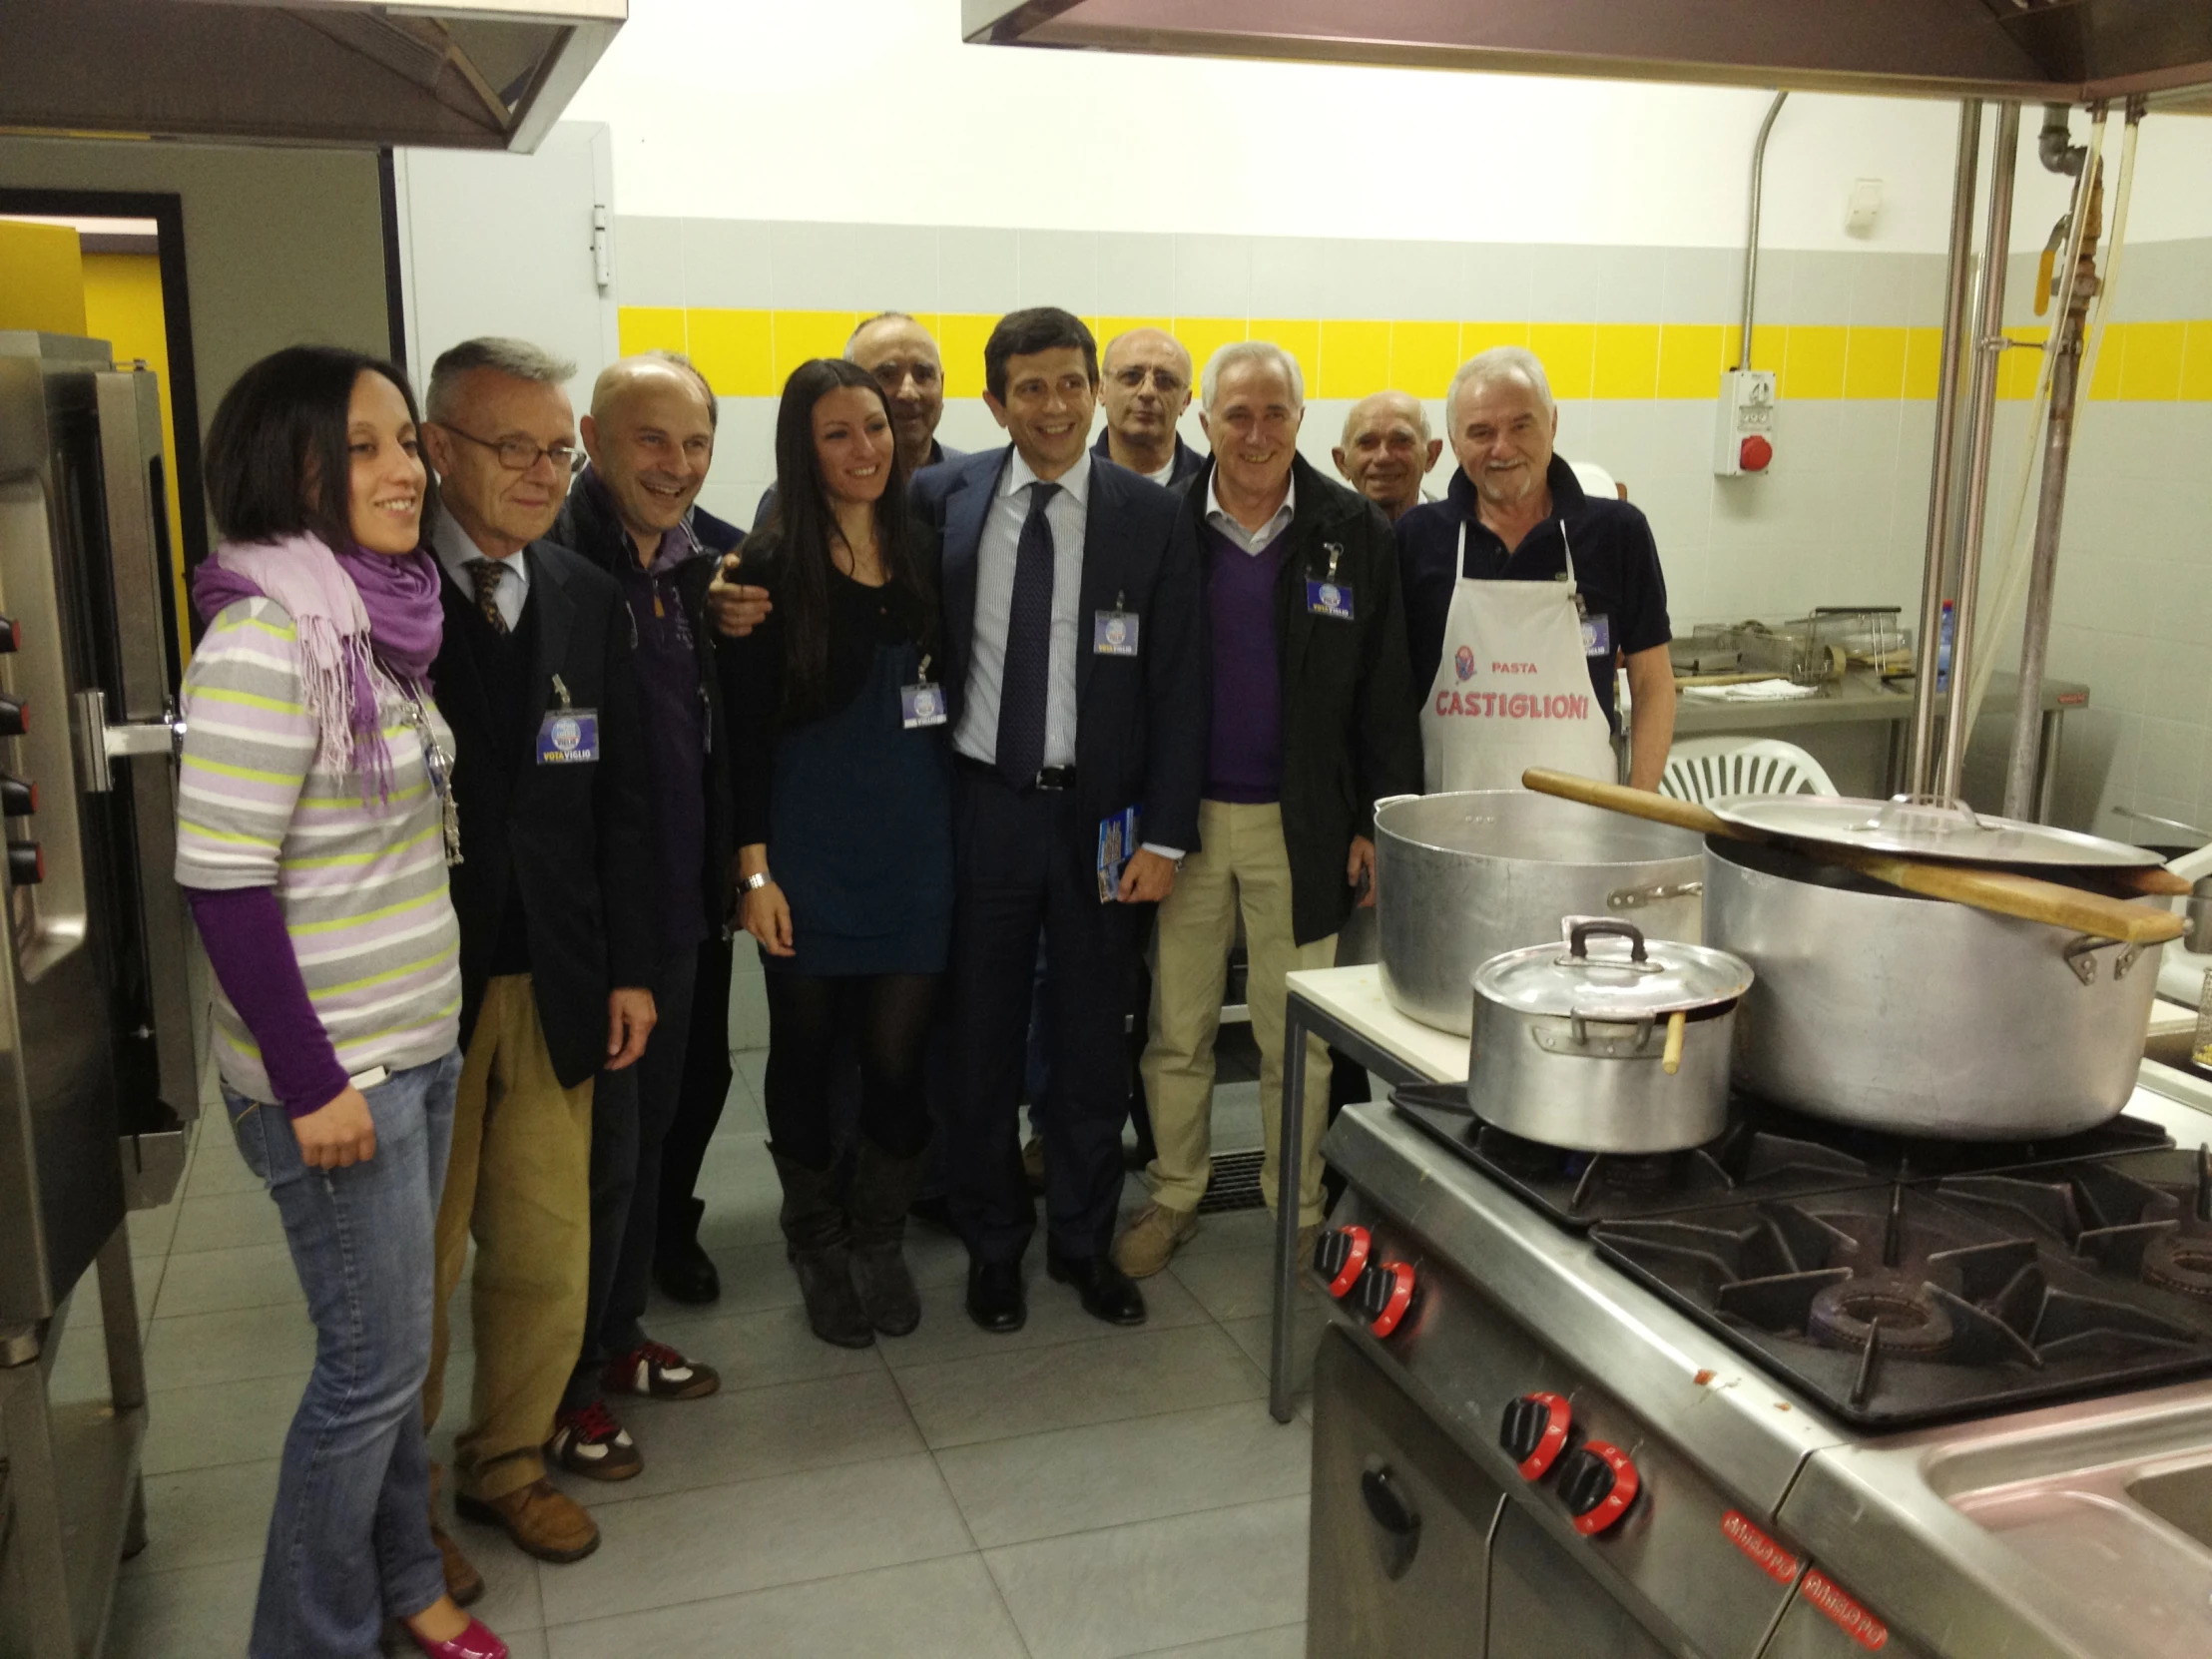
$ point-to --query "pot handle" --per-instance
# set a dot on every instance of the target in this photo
(1578, 937)
(1658, 892)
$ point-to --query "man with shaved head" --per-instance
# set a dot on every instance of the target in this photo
(899, 351)
(1146, 387)
(1387, 451)
(651, 438)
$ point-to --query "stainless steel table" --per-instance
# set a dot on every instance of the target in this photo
(1346, 1009)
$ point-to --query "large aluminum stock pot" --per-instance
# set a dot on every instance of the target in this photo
(1615, 1052)
(1876, 1007)
(1462, 878)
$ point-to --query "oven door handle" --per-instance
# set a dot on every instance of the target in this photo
(1392, 1509)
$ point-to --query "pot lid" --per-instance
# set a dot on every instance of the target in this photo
(1923, 828)
(1608, 970)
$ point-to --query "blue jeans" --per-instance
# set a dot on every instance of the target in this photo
(349, 1539)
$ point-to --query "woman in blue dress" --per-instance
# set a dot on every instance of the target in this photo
(842, 777)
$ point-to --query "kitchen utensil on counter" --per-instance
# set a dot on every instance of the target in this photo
(1999, 892)
(1883, 1008)
(1925, 828)
(1461, 877)
(1626, 1050)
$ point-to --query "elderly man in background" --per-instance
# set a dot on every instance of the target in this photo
(651, 438)
(1311, 724)
(1387, 451)
(1523, 593)
(555, 901)
(1146, 387)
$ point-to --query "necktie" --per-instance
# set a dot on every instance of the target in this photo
(1024, 681)
(485, 573)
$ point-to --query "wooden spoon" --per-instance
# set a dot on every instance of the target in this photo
(2000, 892)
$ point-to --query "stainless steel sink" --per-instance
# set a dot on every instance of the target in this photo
(2114, 1516)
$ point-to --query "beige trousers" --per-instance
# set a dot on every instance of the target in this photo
(519, 1179)
(1242, 866)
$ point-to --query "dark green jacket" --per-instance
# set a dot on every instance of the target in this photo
(1349, 732)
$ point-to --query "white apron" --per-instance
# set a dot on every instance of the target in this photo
(1514, 688)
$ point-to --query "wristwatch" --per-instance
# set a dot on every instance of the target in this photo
(753, 883)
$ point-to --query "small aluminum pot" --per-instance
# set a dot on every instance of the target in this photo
(1625, 1052)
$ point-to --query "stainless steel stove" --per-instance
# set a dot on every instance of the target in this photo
(1546, 1425)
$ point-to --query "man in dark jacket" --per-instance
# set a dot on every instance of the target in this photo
(1310, 722)
(650, 436)
(1146, 388)
(553, 894)
(1072, 666)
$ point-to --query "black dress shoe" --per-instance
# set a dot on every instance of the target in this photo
(1108, 1294)
(685, 1272)
(994, 1299)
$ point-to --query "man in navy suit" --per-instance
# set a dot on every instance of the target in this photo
(1074, 668)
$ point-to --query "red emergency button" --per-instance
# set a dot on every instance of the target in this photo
(1384, 1293)
(1755, 453)
(1597, 1484)
(1340, 1256)
(1534, 1432)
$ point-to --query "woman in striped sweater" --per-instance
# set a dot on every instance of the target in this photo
(314, 832)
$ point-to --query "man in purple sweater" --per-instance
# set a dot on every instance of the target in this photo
(1310, 722)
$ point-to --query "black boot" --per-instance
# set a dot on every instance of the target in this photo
(681, 1266)
(821, 1249)
(883, 1187)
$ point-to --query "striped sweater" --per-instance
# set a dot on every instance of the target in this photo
(362, 886)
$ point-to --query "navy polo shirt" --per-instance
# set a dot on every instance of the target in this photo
(1616, 571)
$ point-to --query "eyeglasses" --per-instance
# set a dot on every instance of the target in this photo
(520, 454)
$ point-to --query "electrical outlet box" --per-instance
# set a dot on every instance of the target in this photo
(1743, 432)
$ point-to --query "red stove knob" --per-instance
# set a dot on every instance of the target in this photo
(10, 636)
(1339, 1255)
(15, 717)
(26, 863)
(1534, 1432)
(17, 799)
(1384, 1293)
(1755, 453)
(1596, 1482)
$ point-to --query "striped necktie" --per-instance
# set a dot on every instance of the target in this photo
(485, 573)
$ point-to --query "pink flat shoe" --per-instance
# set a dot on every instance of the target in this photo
(473, 1643)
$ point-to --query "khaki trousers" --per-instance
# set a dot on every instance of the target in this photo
(519, 1180)
(1242, 866)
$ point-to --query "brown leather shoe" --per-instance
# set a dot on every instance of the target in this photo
(541, 1521)
(462, 1581)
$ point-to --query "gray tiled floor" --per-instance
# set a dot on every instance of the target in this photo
(1071, 1492)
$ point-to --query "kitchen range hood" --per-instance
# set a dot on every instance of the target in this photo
(453, 74)
(2039, 51)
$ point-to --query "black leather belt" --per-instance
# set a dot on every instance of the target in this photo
(1049, 777)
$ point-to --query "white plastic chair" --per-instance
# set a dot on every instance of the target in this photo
(1699, 769)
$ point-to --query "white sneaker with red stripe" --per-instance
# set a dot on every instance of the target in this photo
(658, 1372)
(590, 1443)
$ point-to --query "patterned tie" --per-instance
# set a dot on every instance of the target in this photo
(1024, 681)
(485, 573)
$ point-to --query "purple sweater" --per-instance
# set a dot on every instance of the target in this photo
(251, 955)
(1244, 755)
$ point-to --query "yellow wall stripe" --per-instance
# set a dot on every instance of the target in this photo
(748, 353)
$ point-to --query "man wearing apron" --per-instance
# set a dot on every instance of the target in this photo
(1521, 592)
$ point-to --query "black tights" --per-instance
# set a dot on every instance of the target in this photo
(885, 1017)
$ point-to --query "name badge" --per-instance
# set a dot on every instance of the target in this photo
(1597, 636)
(920, 706)
(1330, 599)
(1114, 633)
(568, 736)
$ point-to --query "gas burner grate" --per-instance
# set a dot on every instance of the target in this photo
(1899, 1305)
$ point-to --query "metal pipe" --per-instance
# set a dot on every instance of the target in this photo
(1751, 235)
(2077, 282)
(1947, 428)
(2053, 144)
(1988, 347)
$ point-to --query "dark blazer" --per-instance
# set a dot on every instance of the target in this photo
(586, 524)
(1189, 463)
(574, 840)
(1140, 733)
(1349, 731)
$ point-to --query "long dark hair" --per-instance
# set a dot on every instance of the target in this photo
(803, 523)
(278, 461)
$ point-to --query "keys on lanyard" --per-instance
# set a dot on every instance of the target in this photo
(438, 762)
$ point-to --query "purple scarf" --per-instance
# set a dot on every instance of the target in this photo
(344, 607)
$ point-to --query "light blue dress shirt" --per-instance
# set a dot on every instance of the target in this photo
(978, 734)
(456, 552)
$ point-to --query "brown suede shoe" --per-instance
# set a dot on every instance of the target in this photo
(1151, 1241)
(462, 1581)
(541, 1521)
